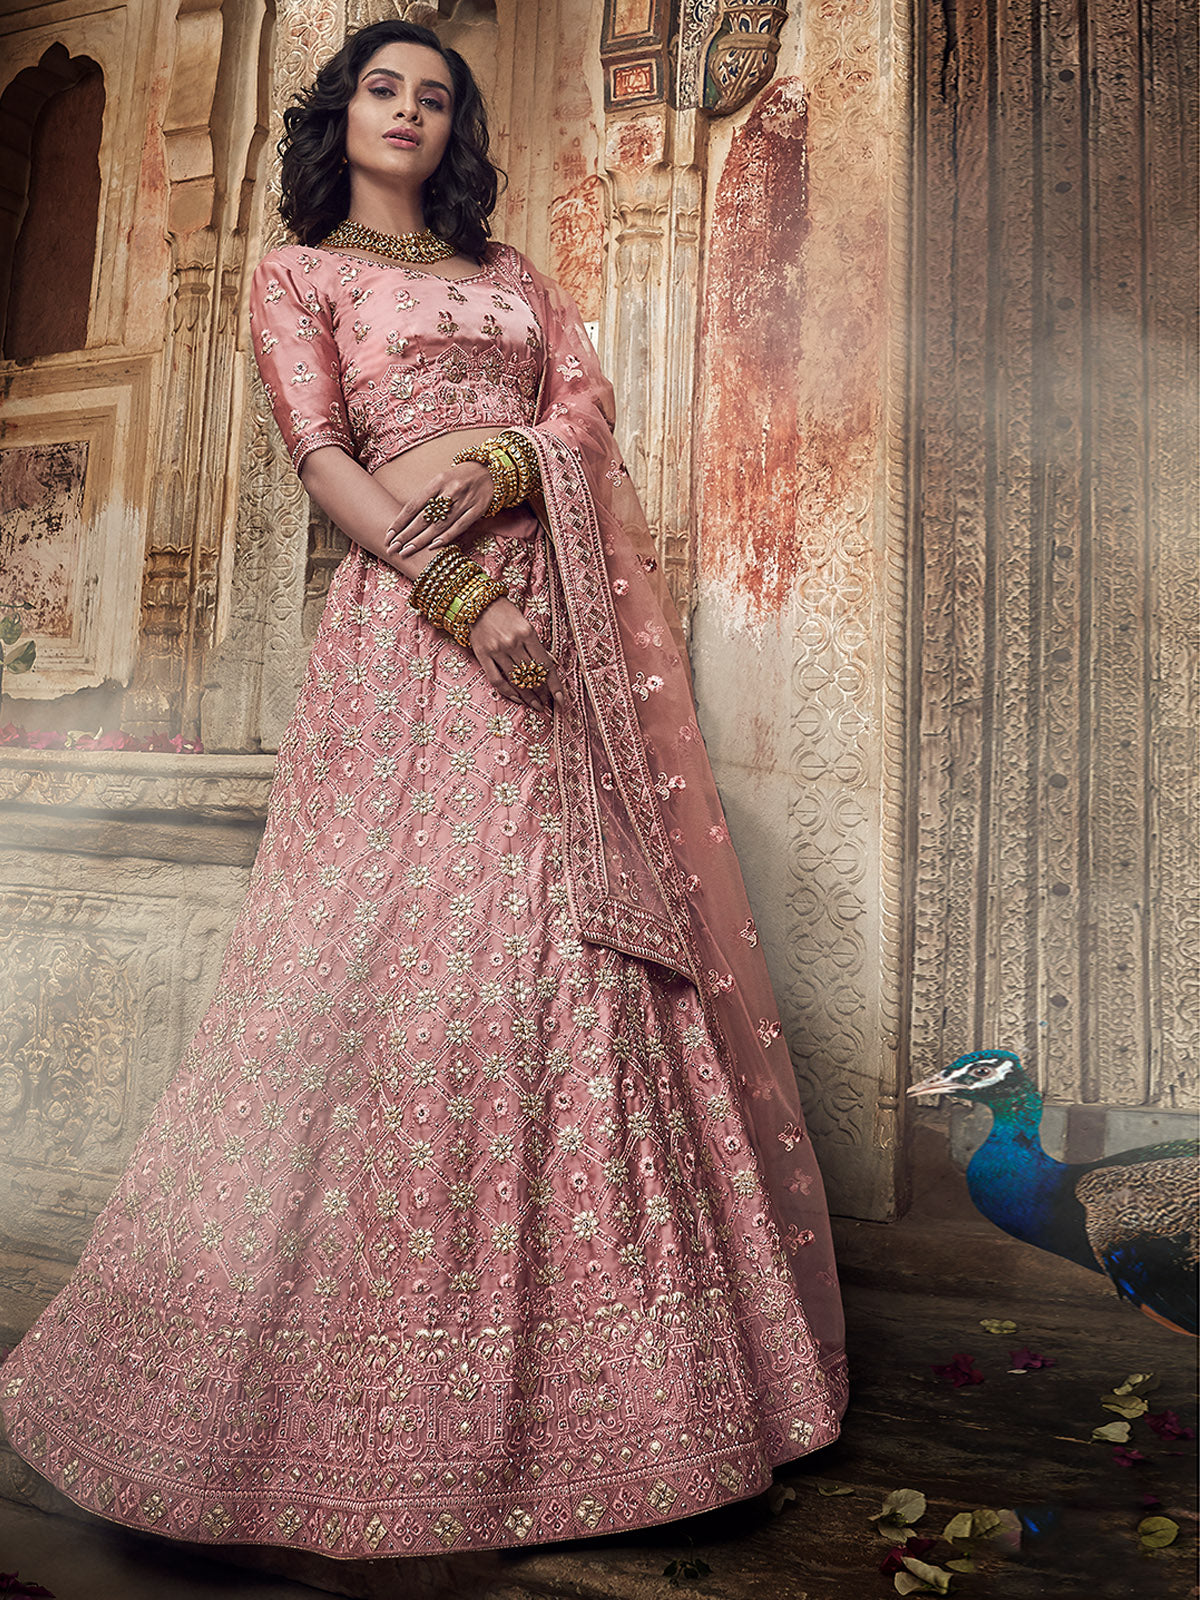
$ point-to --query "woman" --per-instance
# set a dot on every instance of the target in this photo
(480, 1212)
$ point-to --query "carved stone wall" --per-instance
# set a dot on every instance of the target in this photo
(1058, 895)
(111, 934)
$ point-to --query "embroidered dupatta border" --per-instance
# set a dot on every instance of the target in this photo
(580, 600)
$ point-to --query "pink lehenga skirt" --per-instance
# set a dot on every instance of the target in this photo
(448, 1233)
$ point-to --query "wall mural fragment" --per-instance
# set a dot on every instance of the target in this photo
(42, 532)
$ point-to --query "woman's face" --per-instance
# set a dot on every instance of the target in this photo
(398, 121)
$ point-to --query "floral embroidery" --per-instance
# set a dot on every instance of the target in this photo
(570, 369)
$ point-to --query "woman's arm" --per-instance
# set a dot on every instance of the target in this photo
(366, 512)
(362, 508)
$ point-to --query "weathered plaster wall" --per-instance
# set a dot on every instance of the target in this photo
(798, 628)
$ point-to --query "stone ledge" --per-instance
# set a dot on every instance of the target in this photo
(233, 788)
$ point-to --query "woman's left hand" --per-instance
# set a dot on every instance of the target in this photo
(467, 488)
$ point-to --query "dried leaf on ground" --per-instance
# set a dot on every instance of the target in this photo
(979, 1524)
(1112, 1433)
(1156, 1533)
(996, 1325)
(678, 1571)
(929, 1580)
(901, 1507)
(894, 1560)
(1125, 1405)
(1137, 1383)
(834, 1488)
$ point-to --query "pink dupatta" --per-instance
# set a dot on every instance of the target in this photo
(650, 866)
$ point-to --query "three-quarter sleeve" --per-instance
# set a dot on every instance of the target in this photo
(294, 345)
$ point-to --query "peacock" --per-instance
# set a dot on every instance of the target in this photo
(1132, 1215)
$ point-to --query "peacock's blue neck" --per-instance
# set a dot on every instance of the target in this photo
(1016, 1185)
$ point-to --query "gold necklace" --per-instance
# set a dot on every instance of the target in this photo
(423, 246)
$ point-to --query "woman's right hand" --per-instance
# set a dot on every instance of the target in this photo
(501, 638)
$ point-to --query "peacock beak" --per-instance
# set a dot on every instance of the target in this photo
(942, 1083)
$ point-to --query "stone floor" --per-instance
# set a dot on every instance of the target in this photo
(915, 1296)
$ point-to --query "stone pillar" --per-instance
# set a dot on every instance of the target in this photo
(250, 682)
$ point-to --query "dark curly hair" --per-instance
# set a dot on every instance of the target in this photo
(459, 197)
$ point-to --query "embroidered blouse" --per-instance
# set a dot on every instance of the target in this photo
(375, 358)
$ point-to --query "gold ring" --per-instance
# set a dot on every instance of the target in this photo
(438, 508)
(528, 675)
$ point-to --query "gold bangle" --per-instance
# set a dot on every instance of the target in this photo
(473, 608)
(464, 580)
(432, 574)
(525, 457)
(504, 473)
(441, 596)
(459, 600)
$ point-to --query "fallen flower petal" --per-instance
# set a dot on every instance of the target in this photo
(1028, 1360)
(1168, 1426)
(960, 1370)
(894, 1560)
(1126, 1456)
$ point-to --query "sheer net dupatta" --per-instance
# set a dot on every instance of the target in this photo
(651, 869)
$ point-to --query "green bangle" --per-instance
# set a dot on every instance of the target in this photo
(459, 601)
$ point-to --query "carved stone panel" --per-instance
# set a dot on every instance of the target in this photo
(42, 534)
(117, 892)
(72, 464)
(1058, 903)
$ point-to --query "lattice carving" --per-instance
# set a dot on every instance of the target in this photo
(1056, 896)
(69, 1035)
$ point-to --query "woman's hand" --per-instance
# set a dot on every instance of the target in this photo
(467, 487)
(501, 639)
